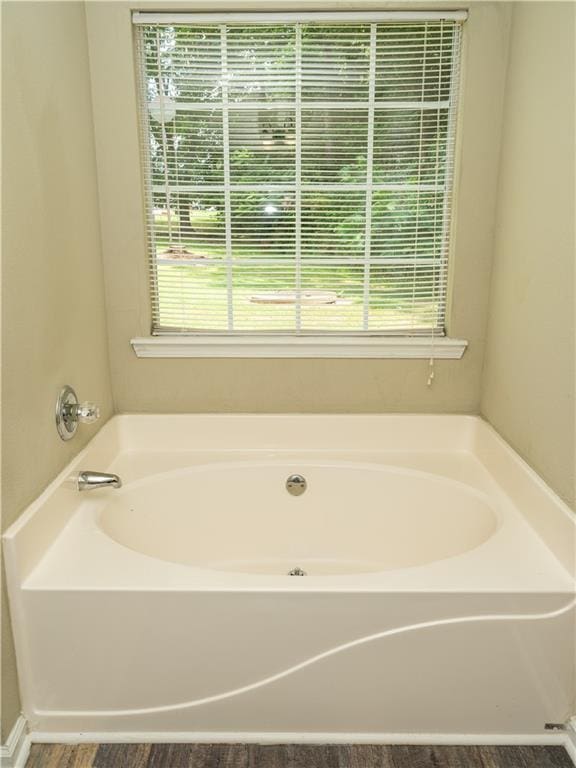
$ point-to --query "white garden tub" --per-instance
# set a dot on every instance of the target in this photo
(438, 596)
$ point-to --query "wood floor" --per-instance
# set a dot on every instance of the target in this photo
(291, 756)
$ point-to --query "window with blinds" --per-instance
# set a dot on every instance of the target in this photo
(298, 174)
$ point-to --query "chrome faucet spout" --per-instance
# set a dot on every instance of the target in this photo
(88, 480)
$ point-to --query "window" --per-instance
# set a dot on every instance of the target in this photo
(299, 173)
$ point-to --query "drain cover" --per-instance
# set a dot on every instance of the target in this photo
(297, 572)
(296, 485)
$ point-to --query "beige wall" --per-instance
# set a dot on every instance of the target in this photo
(53, 324)
(528, 385)
(53, 302)
(290, 385)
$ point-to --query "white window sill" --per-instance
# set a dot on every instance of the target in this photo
(298, 346)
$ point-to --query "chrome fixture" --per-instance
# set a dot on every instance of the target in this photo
(296, 485)
(297, 572)
(69, 413)
(88, 480)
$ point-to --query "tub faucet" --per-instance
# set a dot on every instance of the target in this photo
(89, 480)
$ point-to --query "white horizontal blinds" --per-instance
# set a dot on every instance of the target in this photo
(299, 174)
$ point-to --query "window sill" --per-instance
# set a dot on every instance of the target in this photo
(299, 346)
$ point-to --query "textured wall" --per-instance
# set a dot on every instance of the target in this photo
(528, 386)
(53, 304)
(53, 320)
(290, 385)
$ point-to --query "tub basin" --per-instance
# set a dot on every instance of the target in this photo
(352, 518)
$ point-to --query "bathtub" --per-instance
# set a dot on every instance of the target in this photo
(437, 594)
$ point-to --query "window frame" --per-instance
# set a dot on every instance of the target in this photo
(359, 344)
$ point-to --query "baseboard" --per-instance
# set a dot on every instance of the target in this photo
(243, 737)
(14, 753)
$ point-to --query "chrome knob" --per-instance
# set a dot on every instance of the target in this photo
(69, 413)
(87, 412)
